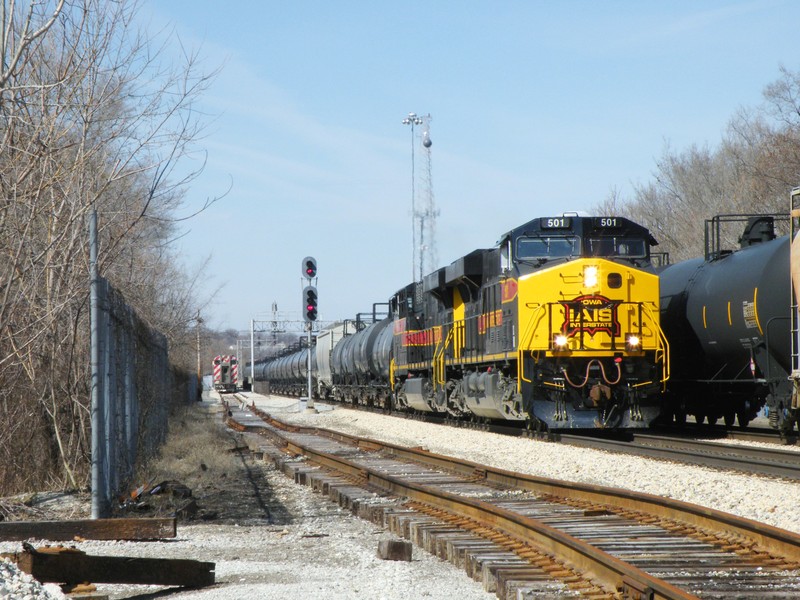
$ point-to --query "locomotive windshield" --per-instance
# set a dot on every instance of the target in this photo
(613, 246)
(548, 247)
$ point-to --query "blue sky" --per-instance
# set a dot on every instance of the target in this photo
(537, 107)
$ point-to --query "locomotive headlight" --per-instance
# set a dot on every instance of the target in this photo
(590, 276)
(632, 342)
(560, 341)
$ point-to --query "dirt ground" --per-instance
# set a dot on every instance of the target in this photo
(220, 483)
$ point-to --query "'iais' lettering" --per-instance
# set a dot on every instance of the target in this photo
(590, 314)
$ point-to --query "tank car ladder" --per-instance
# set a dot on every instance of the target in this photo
(794, 261)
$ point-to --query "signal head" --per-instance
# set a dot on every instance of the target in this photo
(309, 304)
(309, 267)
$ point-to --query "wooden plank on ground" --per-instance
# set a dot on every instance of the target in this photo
(70, 567)
(89, 529)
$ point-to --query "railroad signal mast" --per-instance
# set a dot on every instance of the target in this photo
(309, 269)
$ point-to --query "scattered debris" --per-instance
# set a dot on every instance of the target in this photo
(168, 497)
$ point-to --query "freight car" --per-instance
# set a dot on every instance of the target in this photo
(225, 374)
(556, 327)
(731, 313)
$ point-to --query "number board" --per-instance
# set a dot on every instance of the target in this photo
(607, 223)
(555, 222)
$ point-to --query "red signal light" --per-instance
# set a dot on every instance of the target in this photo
(309, 267)
(310, 299)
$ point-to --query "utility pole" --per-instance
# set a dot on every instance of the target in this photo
(101, 501)
(198, 323)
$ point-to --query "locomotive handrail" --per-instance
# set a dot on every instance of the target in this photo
(438, 360)
(662, 346)
(641, 306)
(523, 347)
(531, 326)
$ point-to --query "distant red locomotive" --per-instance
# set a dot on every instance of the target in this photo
(226, 374)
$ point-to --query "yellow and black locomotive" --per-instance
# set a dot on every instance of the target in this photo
(558, 325)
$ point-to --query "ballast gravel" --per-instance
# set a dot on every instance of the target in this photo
(322, 552)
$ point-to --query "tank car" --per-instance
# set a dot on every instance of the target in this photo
(558, 327)
(730, 311)
(360, 362)
(287, 374)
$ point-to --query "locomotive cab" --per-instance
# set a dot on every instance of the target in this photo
(592, 353)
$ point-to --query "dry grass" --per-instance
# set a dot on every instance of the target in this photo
(198, 450)
(225, 483)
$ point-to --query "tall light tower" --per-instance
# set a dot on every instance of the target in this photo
(413, 120)
(428, 213)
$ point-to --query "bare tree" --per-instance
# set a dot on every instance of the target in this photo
(751, 171)
(91, 119)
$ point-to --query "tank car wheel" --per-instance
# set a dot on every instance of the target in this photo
(680, 418)
(743, 418)
(699, 418)
(729, 417)
(712, 420)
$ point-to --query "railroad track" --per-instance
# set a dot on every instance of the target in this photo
(772, 461)
(750, 434)
(518, 532)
